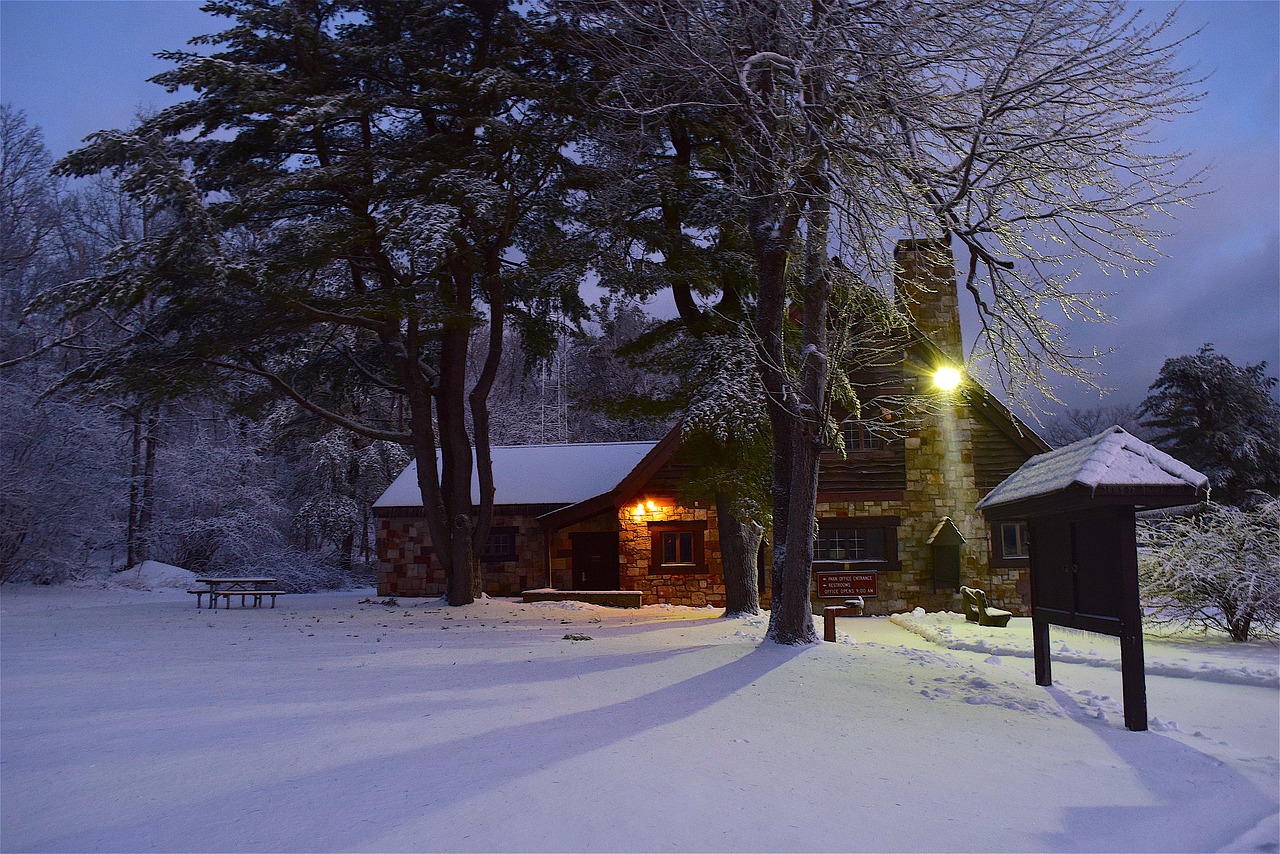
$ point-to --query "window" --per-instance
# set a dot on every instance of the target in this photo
(501, 545)
(871, 541)
(1014, 538)
(678, 548)
(1010, 544)
(850, 544)
(858, 438)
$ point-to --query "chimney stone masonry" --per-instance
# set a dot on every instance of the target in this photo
(925, 288)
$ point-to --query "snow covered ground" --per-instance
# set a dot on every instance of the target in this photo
(131, 721)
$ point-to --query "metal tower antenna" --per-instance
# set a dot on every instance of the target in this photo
(554, 391)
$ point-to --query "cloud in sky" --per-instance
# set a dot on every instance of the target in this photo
(80, 66)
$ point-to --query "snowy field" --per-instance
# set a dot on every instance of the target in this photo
(131, 721)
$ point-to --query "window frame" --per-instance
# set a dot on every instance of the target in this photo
(859, 439)
(998, 557)
(508, 556)
(888, 527)
(697, 531)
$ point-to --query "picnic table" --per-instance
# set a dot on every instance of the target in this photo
(246, 588)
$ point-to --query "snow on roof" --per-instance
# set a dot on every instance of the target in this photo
(1111, 458)
(538, 474)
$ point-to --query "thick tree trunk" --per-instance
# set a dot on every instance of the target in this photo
(771, 358)
(461, 567)
(446, 491)
(799, 418)
(791, 618)
(479, 402)
(739, 551)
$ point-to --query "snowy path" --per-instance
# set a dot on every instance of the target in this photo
(135, 722)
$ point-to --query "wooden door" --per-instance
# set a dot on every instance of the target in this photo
(595, 560)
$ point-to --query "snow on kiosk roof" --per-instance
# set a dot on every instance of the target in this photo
(538, 474)
(1113, 465)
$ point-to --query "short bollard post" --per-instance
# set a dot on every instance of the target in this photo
(829, 615)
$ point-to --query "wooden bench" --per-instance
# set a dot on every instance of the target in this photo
(974, 602)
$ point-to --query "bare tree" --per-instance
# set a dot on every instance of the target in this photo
(1017, 130)
(1082, 422)
(28, 205)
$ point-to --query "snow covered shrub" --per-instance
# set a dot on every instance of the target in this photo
(224, 509)
(59, 497)
(1218, 569)
(341, 482)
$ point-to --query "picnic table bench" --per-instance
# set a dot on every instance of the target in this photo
(246, 588)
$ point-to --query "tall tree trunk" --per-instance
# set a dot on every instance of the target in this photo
(479, 402)
(802, 419)
(142, 486)
(739, 552)
(437, 501)
(791, 618)
(772, 230)
(346, 559)
(135, 490)
(147, 506)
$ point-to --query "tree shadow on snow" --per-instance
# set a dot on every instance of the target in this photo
(1204, 804)
(382, 793)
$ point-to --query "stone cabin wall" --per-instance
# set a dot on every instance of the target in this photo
(407, 567)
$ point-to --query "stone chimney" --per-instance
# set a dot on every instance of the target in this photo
(924, 286)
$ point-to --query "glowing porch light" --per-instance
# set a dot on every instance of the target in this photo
(947, 379)
(652, 507)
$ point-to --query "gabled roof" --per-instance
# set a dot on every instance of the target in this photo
(538, 474)
(945, 533)
(1112, 462)
(624, 489)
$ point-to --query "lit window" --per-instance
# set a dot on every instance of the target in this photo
(1014, 538)
(678, 548)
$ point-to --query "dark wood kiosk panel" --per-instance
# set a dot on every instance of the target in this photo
(1079, 504)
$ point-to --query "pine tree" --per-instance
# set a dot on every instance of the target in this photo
(1220, 418)
(351, 184)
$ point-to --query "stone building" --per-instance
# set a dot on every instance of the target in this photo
(897, 521)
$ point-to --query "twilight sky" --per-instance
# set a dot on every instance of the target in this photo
(76, 66)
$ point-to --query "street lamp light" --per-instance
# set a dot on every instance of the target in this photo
(947, 379)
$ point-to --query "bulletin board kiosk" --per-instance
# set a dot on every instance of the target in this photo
(1079, 503)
